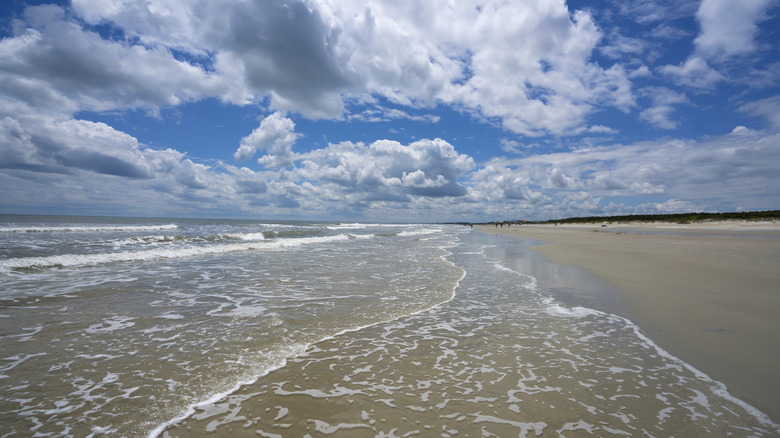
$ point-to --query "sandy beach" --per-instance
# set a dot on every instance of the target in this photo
(707, 293)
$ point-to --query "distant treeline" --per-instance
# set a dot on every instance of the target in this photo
(680, 218)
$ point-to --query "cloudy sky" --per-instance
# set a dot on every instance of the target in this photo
(396, 110)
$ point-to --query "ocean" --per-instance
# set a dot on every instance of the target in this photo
(191, 327)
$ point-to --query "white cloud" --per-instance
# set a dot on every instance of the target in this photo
(694, 72)
(728, 28)
(73, 163)
(526, 63)
(534, 82)
(664, 19)
(380, 114)
(46, 162)
(717, 174)
(276, 135)
(601, 129)
(619, 45)
(560, 180)
(640, 72)
(655, 11)
(495, 184)
(511, 146)
(663, 101)
(54, 61)
(768, 109)
(60, 146)
(389, 170)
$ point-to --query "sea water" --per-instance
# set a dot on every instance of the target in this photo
(170, 327)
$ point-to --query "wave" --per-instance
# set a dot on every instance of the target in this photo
(80, 260)
(278, 359)
(718, 388)
(419, 232)
(355, 226)
(162, 239)
(90, 228)
(362, 236)
(245, 236)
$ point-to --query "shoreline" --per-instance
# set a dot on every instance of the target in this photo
(706, 293)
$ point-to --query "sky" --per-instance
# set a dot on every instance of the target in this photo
(389, 111)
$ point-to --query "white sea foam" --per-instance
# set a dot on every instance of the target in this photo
(419, 232)
(111, 324)
(300, 241)
(16, 360)
(211, 307)
(717, 387)
(277, 361)
(88, 228)
(155, 240)
(355, 226)
(141, 240)
(352, 226)
(79, 260)
(556, 309)
(246, 236)
(362, 236)
(525, 427)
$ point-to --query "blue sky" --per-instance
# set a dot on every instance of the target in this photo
(389, 110)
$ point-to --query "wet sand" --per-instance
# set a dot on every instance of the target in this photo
(708, 294)
(499, 359)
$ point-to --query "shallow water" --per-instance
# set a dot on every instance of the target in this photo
(188, 328)
(500, 359)
(118, 328)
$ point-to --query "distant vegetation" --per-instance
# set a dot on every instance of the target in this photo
(679, 218)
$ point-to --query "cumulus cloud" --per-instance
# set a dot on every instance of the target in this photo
(69, 146)
(719, 172)
(73, 163)
(526, 66)
(511, 146)
(43, 162)
(53, 60)
(60, 146)
(525, 63)
(496, 183)
(728, 28)
(77, 161)
(534, 82)
(388, 169)
(663, 101)
(276, 135)
(694, 72)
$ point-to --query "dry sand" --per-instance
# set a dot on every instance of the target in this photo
(707, 293)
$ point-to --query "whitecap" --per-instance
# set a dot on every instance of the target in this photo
(87, 228)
